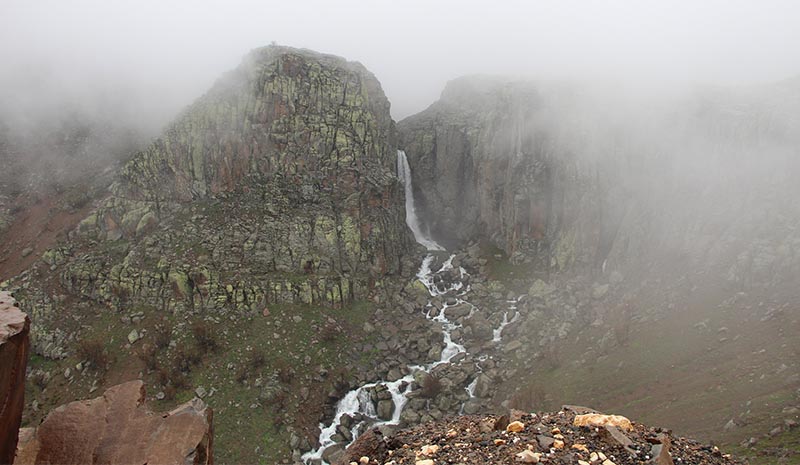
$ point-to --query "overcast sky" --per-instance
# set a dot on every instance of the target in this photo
(166, 53)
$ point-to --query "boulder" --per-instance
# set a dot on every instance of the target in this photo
(119, 428)
(597, 419)
(14, 345)
(369, 444)
(385, 409)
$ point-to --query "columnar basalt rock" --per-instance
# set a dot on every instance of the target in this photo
(119, 428)
(569, 176)
(277, 186)
(487, 163)
(14, 344)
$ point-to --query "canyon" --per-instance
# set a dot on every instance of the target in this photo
(310, 269)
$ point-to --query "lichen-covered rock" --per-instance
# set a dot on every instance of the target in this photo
(14, 328)
(118, 428)
(302, 142)
(277, 186)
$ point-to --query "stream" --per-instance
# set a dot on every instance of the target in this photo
(356, 408)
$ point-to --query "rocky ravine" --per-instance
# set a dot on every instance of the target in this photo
(271, 204)
(272, 211)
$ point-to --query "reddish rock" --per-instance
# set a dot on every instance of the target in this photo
(119, 428)
(370, 444)
(14, 345)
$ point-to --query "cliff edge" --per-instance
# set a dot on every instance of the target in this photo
(14, 345)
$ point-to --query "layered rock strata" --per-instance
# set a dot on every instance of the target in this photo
(278, 186)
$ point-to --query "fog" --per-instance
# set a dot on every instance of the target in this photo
(150, 58)
(639, 156)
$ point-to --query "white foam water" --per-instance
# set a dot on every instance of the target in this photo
(357, 403)
(497, 333)
(404, 173)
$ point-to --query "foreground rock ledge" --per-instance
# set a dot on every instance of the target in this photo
(118, 428)
(14, 345)
(552, 438)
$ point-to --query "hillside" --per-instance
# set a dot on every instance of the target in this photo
(238, 249)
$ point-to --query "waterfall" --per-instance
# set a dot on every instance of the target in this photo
(404, 173)
(358, 404)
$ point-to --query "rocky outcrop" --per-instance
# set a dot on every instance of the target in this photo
(487, 162)
(568, 175)
(310, 133)
(14, 328)
(119, 428)
(277, 186)
(553, 438)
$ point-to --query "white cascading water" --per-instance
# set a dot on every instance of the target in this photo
(512, 307)
(357, 403)
(404, 173)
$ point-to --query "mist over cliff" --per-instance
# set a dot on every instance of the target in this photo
(409, 213)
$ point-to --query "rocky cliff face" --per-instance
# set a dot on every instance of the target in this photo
(487, 162)
(568, 176)
(277, 186)
(14, 328)
(270, 209)
(118, 428)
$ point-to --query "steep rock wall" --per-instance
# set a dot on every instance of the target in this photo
(567, 175)
(487, 162)
(14, 329)
(277, 186)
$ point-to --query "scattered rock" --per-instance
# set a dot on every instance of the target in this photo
(527, 456)
(462, 440)
(133, 336)
(729, 425)
(515, 427)
(429, 450)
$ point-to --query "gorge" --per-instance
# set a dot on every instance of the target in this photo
(311, 269)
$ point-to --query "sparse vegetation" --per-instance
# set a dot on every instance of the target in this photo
(204, 337)
(529, 398)
(184, 360)
(93, 351)
(430, 386)
(162, 335)
(330, 331)
(148, 355)
(38, 378)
